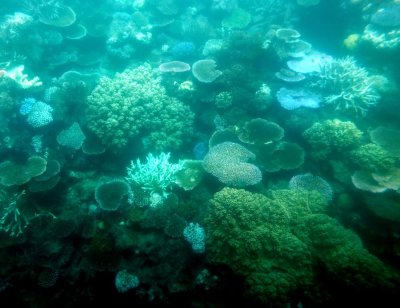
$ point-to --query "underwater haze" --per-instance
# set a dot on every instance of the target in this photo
(199, 153)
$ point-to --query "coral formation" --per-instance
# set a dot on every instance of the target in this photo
(228, 162)
(349, 87)
(156, 175)
(133, 104)
(109, 194)
(71, 137)
(13, 173)
(332, 136)
(261, 131)
(263, 134)
(274, 243)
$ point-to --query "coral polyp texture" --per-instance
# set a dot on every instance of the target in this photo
(133, 104)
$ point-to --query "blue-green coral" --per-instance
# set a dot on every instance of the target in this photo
(135, 104)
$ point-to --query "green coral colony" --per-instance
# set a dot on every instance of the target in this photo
(215, 153)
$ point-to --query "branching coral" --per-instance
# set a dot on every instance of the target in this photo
(349, 86)
(156, 175)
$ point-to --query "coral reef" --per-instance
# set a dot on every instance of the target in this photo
(215, 153)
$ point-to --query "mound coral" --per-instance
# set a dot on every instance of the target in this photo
(332, 136)
(134, 103)
(276, 243)
(373, 158)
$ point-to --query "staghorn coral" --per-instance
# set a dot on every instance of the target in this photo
(119, 109)
(12, 221)
(349, 87)
(156, 175)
